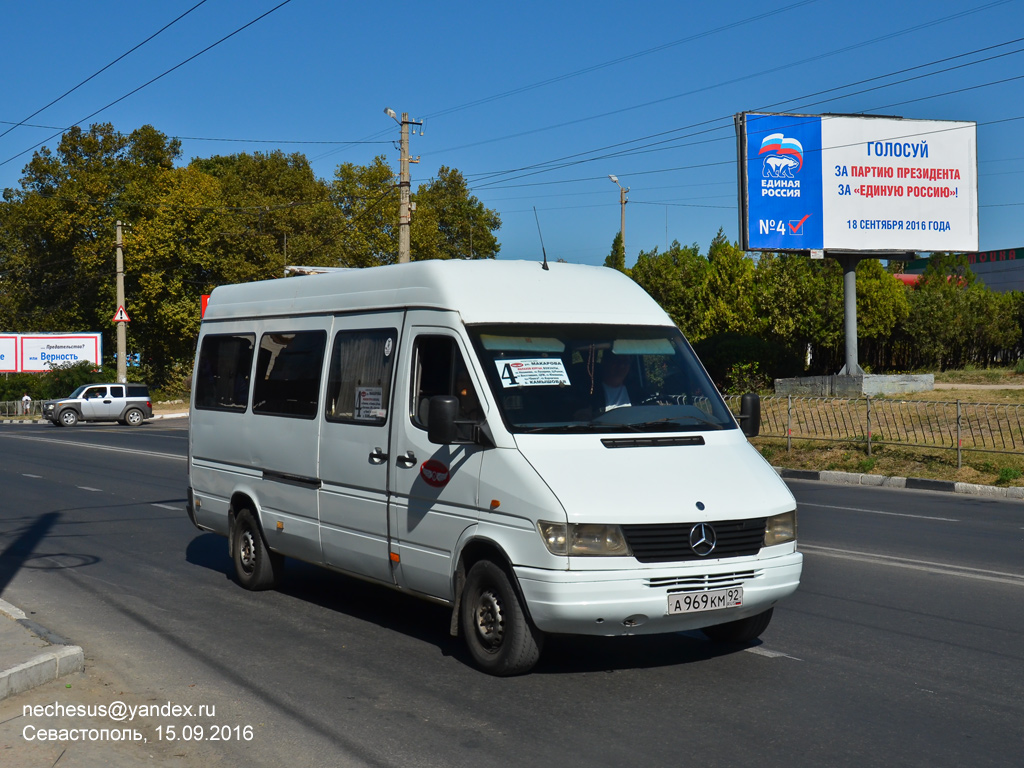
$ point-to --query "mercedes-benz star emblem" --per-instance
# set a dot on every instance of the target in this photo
(702, 539)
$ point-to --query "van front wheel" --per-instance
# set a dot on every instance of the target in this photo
(255, 565)
(500, 637)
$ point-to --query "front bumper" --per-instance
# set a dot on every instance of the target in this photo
(635, 602)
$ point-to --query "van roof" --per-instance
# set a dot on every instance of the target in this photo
(484, 291)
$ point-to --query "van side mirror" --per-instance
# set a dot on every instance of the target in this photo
(441, 419)
(750, 414)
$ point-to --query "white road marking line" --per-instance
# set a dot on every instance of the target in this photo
(134, 451)
(87, 488)
(880, 512)
(928, 566)
(770, 654)
(34, 477)
(167, 506)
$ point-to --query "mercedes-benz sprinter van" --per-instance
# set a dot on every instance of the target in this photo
(536, 446)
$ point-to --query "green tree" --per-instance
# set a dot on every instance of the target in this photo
(677, 280)
(171, 259)
(730, 284)
(617, 258)
(274, 211)
(451, 223)
(58, 227)
(367, 199)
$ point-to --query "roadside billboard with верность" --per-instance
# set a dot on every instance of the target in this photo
(822, 182)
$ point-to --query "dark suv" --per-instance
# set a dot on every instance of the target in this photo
(124, 403)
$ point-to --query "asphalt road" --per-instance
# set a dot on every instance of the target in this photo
(903, 646)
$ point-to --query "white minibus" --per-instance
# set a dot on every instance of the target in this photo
(536, 446)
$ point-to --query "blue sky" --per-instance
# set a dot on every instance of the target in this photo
(528, 100)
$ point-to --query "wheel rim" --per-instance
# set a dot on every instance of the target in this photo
(247, 551)
(68, 418)
(134, 417)
(490, 620)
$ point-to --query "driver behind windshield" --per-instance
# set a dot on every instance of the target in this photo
(612, 392)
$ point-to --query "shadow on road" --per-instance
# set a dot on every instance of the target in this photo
(429, 622)
(22, 549)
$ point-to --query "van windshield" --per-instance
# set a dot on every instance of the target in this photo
(597, 378)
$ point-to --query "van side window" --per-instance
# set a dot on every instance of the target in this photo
(95, 393)
(222, 375)
(439, 369)
(359, 379)
(117, 391)
(288, 367)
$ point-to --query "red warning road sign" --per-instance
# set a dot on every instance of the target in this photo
(121, 316)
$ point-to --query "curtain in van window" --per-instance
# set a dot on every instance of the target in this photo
(359, 377)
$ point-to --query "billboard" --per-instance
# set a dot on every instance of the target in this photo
(37, 353)
(851, 183)
(8, 353)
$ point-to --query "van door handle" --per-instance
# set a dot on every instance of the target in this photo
(377, 456)
(408, 459)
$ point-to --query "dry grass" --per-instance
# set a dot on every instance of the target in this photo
(895, 461)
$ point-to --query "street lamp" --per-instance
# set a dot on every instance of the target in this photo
(622, 202)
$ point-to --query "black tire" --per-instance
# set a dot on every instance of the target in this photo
(68, 417)
(133, 417)
(742, 631)
(256, 566)
(501, 638)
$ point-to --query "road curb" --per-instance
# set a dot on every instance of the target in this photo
(38, 669)
(910, 483)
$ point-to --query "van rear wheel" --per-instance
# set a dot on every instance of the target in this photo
(134, 417)
(499, 635)
(742, 631)
(255, 565)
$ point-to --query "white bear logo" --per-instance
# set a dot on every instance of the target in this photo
(779, 166)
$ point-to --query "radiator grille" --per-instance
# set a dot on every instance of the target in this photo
(670, 542)
(702, 582)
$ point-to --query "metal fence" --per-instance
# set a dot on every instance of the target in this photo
(14, 408)
(957, 425)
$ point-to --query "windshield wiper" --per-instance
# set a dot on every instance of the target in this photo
(670, 421)
(586, 426)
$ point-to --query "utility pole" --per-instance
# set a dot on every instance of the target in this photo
(405, 207)
(122, 334)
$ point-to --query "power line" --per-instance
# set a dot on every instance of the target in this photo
(275, 141)
(621, 59)
(150, 82)
(104, 69)
(733, 81)
(643, 150)
(770, 106)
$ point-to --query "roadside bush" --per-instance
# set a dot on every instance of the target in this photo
(60, 381)
(1008, 475)
(734, 359)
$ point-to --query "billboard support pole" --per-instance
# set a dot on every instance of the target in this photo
(849, 263)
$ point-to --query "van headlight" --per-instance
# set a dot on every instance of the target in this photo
(780, 529)
(583, 539)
